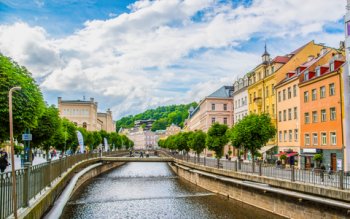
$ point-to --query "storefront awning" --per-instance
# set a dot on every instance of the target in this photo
(292, 154)
(266, 148)
(280, 153)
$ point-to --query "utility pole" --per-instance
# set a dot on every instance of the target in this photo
(14, 194)
(346, 90)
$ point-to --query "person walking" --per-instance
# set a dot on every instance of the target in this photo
(323, 169)
(3, 160)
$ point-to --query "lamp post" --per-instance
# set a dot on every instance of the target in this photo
(14, 195)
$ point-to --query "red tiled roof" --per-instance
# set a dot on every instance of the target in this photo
(281, 59)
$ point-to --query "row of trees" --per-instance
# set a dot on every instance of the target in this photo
(31, 112)
(250, 134)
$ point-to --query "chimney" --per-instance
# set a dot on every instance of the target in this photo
(311, 57)
(91, 99)
(342, 45)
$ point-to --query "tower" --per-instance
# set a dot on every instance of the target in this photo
(265, 56)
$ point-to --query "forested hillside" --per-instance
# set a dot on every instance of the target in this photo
(164, 116)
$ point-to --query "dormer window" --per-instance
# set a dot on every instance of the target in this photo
(331, 66)
(306, 75)
(318, 71)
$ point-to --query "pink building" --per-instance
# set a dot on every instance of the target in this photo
(217, 107)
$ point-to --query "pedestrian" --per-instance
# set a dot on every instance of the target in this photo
(226, 156)
(3, 160)
(323, 169)
(141, 154)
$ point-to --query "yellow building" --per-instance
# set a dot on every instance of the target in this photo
(261, 93)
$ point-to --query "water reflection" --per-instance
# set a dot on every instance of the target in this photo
(151, 190)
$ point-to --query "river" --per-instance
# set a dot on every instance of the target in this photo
(151, 190)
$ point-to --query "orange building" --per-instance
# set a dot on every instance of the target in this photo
(288, 106)
(321, 113)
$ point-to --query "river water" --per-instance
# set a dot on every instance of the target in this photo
(151, 190)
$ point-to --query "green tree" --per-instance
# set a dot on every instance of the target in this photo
(217, 139)
(28, 103)
(160, 124)
(48, 124)
(115, 140)
(252, 132)
(97, 138)
(197, 142)
(89, 140)
(181, 141)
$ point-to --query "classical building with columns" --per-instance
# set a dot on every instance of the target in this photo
(83, 113)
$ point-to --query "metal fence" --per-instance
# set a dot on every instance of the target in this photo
(31, 181)
(334, 179)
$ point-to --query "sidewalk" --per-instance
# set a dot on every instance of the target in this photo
(37, 160)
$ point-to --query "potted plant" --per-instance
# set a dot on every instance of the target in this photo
(317, 158)
(283, 158)
(229, 154)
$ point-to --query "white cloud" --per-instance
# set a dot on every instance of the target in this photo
(159, 53)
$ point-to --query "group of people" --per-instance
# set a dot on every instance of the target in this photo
(146, 153)
(3, 160)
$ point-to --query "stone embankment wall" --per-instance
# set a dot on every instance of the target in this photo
(45, 202)
(276, 203)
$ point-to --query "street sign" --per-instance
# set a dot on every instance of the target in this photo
(26, 137)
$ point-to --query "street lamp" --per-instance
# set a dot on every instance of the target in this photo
(14, 195)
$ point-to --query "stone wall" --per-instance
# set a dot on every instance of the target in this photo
(278, 204)
(44, 203)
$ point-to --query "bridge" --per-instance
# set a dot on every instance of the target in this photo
(137, 159)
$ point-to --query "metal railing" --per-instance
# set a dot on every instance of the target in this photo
(334, 179)
(33, 180)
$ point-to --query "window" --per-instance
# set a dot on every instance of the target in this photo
(279, 116)
(333, 138)
(322, 92)
(323, 138)
(323, 115)
(225, 121)
(239, 103)
(306, 96)
(295, 134)
(225, 106)
(332, 113)
(284, 94)
(294, 90)
(273, 110)
(307, 118)
(267, 91)
(318, 71)
(272, 69)
(314, 94)
(315, 139)
(331, 89)
(279, 96)
(284, 115)
(272, 89)
(280, 136)
(306, 76)
(212, 106)
(254, 95)
(331, 66)
(290, 135)
(314, 116)
(289, 114)
(245, 100)
(289, 93)
(307, 139)
(285, 136)
(267, 109)
(212, 120)
(295, 112)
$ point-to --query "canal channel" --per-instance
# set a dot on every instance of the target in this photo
(152, 190)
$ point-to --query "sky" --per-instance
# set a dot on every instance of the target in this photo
(137, 55)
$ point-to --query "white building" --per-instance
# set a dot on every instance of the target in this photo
(240, 98)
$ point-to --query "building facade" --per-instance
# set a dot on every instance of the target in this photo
(84, 114)
(217, 107)
(240, 99)
(321, 114)
(288, 107)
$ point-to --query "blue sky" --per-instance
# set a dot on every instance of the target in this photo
(135, 55)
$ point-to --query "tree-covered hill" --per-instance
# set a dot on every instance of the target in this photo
(164, 116)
